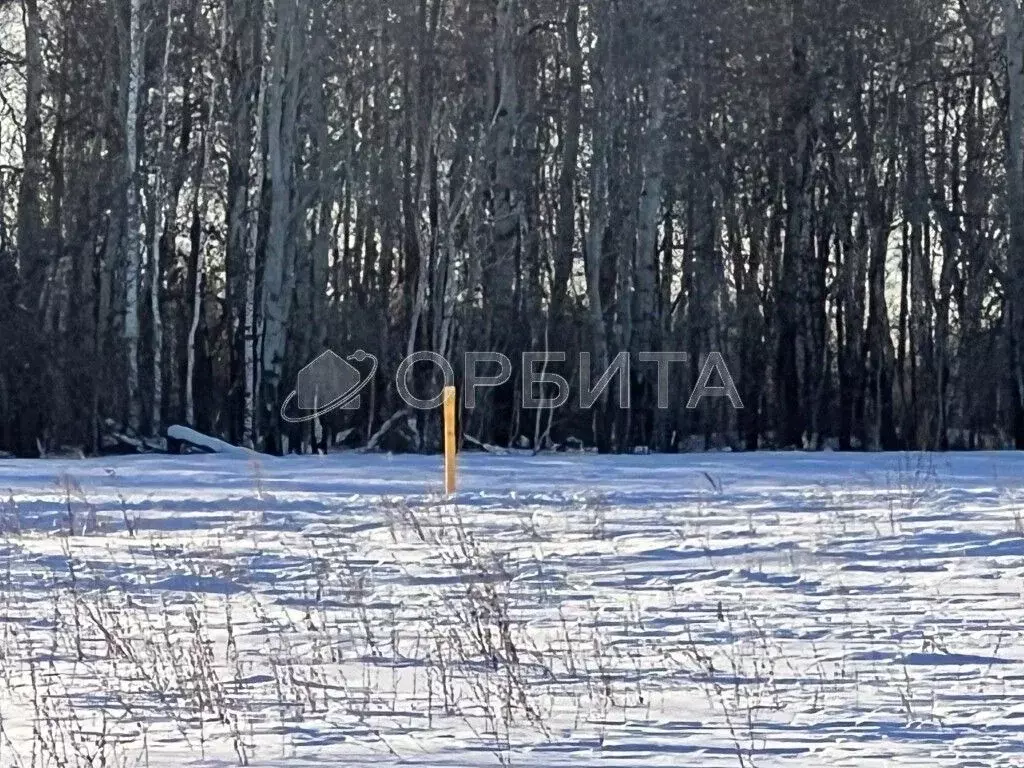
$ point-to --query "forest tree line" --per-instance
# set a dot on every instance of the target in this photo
(197, 197)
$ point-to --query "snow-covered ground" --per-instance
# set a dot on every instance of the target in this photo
(711, 610)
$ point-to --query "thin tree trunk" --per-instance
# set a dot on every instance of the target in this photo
(29, 214)
(645, 258)
(598, 222)
(201, 206)
(1015, 194)
(501, 279)
(133, 252)
(250, 424)
(245, 74)
(791, 289)
(158, 219)
(565, 227)
(279, 268)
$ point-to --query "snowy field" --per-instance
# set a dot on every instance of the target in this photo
(696, 610)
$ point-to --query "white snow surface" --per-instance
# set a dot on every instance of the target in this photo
(692, 610)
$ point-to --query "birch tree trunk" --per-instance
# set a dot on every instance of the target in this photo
(921, 359)
(501, 278)
(29, 213)
(1015, 196)
(796, 253)
(566, 225)
(132, 244)
(245, 178)
(598, 222)
(250, 423)
(278, 269)
(201, 207)
(250, 426)
(159, 220)
(649, 213)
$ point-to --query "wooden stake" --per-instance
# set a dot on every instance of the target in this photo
(449, 440)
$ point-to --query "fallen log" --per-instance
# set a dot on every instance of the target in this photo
(486, 447)
(386, 427)
(179, 436)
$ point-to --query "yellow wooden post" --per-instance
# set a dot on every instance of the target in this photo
(449, 440)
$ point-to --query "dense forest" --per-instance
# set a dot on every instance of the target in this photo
(199, 196)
